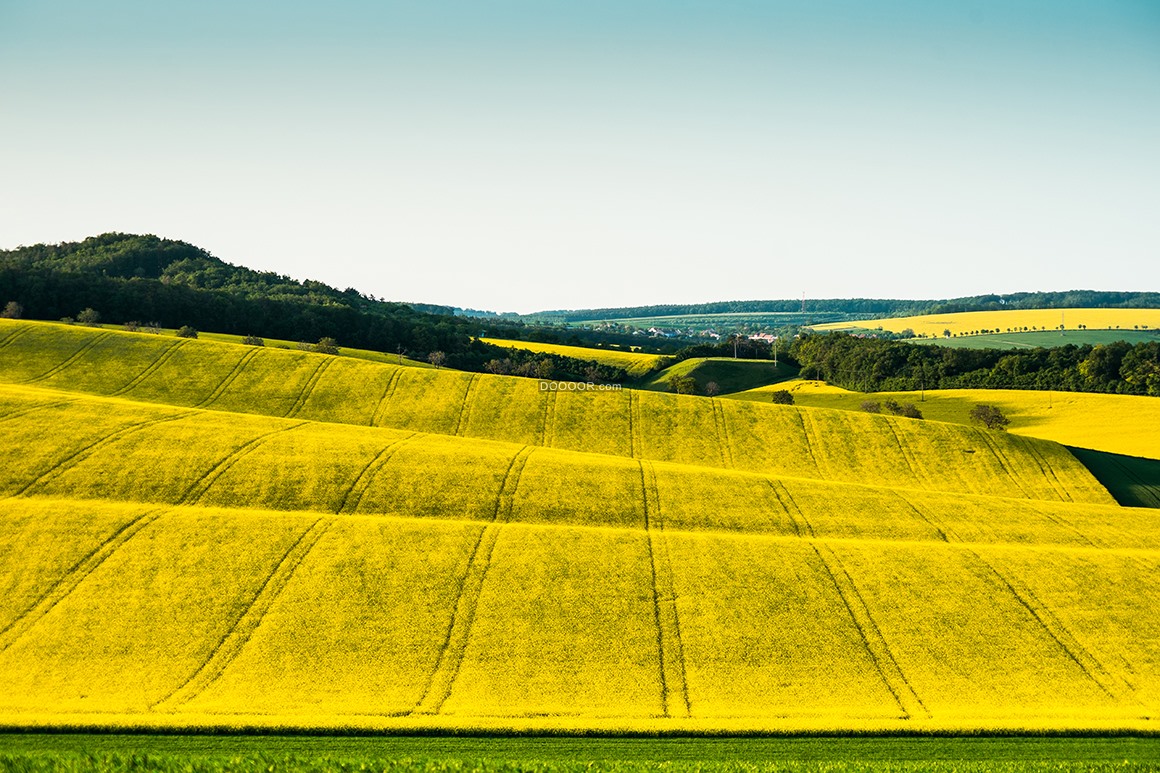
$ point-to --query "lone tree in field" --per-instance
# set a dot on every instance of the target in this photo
(253, 341)
(438, 359)
(989, 416)
(12, 311)
(871, 406)
(683, 385)
(185, 331)
(782, 397)
(89, 317)
(326, 345)
(712, 389)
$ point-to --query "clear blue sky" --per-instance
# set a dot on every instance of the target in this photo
(519, 155)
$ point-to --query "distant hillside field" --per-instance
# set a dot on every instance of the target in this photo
(1045, 339)
(1121, 424)
(199, 534)
(626, 423)
(635, 363)
(972, 322)
(728, 374)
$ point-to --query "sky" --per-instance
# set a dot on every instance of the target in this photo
(520, 155)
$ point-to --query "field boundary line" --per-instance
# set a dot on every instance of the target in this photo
(73, 577)
(200, 487)
(229, 379)
(793, 511)
(874, 641)
(367, 474)
(388, 393)
(308, 387)
(152, 368)
(674, 674)
(231, 644)
(72, 358)
(465, 405)
(1075, 651)
(81, 454)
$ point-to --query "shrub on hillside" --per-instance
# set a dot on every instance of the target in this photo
(89, 316)
(782, 397)
(185, 331)
(12, 311)
(989, 416)
(253, 341)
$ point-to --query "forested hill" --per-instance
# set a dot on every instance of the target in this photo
(147, 279)
(880, 307)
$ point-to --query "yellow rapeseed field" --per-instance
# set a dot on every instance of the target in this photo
(973, 322)
(635, 363)
(643, 425)
(1120, 424)
(197, 534)
(178, 616)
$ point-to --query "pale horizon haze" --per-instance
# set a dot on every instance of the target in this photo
(531, 154)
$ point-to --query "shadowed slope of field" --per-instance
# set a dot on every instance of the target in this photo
(776, 440)
(209, 617)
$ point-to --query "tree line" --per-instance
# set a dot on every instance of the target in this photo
(173, 284)
(875, 365)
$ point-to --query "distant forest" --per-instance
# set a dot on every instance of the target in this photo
(1072, 299)
(873, 365)
(147, 279)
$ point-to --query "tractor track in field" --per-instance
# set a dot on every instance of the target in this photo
(635, 434)
(465, 405)
(384, 401)
(8, 339)
(200, 487)
(229, 379)
(793, 511)
(59, 468)
(366, 476)
(548, 429)
(908, 701)
(152, 368)
(1055, 629)
(722, 430)
(20, 412)
(71, 359)
(939, 528)
(670, 647)
(308, 387)
(454, 647)
(1045, 468)
(73, 577)
(1058, 521)
(903, 451)
(234, 640)
(809, 443)
(1004, 462)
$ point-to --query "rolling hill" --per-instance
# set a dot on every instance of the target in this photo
(637, 364)
(200, 534)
